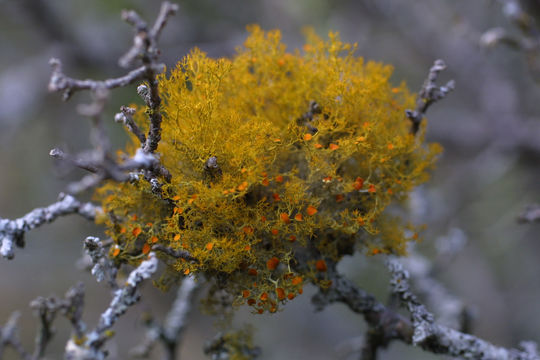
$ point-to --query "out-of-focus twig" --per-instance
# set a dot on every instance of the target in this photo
(429, 93)
(170, 334)
(8, 337)
(71, 307)
(530, 214)
(125, 297)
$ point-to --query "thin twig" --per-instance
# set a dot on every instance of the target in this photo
(12, 231)
(429, 93)
(123, 298)
(8, 336)
(530, 215)
(440, 339)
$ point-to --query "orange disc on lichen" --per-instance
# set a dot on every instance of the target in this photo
(285, 218)
(358, 183)
(136, 231)
(311, 210)
(154, 239)
(308, 137)
(297, 280)
(279, 179)
(298, 217)
(333, 147)
(146, 248)
(280, 293)
(209, 246)
(245, 293)
(272, 263)
(243, 186)
(320, 265)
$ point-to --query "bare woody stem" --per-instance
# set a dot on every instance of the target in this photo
(12, 231)
(440, 339)
(421, 330)
(429, 93)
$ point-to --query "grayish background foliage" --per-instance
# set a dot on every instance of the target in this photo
(489, 127)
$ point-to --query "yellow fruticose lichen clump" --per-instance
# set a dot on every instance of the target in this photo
(281, 163)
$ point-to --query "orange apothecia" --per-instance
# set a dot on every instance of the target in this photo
(251, 221)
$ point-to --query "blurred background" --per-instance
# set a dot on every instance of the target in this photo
(489, 128)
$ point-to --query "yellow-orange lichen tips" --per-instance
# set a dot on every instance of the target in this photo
(136, 231)
(146, 248)
(209, 246)
(245, 293)
(311, 210)
(176, 198)
(318, 146)
(176, 237)
(320, 265)
(186, 272)
(308, 137)
(285, 218)
(298, 217)
(272, 263)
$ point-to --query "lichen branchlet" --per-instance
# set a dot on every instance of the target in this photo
(281, 164)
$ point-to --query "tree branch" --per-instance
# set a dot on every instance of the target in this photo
(12, 231)
(429, 93)
(123, 298)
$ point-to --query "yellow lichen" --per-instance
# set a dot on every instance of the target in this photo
(311, 148)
